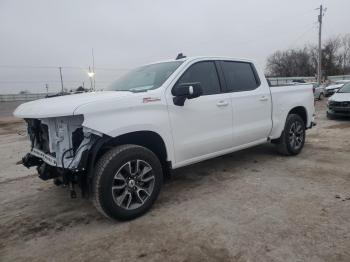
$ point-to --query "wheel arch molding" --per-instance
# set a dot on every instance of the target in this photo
(148, 139)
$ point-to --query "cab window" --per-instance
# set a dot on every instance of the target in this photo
(239, 76)
(205, 73)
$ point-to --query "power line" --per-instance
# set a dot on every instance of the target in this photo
(113, 69)
(63, 67)
(303, 34)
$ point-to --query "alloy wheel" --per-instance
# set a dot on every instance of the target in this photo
(296, 135)
(133, 184)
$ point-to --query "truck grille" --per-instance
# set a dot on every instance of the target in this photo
(341, 104)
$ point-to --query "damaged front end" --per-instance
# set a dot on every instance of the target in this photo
(60, 149)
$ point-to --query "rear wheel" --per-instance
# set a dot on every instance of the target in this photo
(127, 181)
(292, 139)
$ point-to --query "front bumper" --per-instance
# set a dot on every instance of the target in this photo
(345, 113)
(339, 109)
(44, 157)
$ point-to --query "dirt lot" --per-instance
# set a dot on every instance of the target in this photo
(252, 205)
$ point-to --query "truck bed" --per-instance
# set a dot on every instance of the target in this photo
(289, 96)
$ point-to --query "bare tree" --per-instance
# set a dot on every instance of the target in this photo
(331, 59)
(292, 62)
(303, 61)
(345, 53)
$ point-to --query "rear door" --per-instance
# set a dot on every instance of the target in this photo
(251, 102)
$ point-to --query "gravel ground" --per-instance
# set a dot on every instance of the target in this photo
(252, 205)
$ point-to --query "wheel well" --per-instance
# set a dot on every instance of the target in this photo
(148, 139)
(300, 111)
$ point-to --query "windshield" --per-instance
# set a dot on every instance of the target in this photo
(345, 88)
(145, 78)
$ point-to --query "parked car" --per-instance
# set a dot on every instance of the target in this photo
(319, 91)
(339, 103)
(331, 89)
(118, 144)
(298, 81)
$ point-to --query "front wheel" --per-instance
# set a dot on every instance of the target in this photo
(127, 181)
(292, 139)
(330, 116)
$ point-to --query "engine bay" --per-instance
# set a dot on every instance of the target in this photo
(60, 141)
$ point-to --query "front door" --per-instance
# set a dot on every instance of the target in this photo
(203, 125)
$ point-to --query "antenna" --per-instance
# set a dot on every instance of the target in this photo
(180, 56)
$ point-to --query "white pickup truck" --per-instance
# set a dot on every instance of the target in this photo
(118, 144)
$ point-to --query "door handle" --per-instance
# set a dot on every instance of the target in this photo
(263, 98)
(222, 103)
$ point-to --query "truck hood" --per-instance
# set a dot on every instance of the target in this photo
(340, 97)
(64, 105)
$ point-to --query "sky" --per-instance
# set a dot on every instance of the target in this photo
(38, 36)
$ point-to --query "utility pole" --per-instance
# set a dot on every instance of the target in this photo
(91, 75)
(60, 68)
(319, 66)
(47, 89)
(93, 67)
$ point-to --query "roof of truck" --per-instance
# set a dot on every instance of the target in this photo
(191, 58)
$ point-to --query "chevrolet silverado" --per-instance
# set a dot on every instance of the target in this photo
(118, 144)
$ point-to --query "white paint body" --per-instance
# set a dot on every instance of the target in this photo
(203, 128)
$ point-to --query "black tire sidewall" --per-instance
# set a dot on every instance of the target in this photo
(330, 116)
(290, 120)
(106, 180)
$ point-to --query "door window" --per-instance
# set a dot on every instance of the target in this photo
(239, 76)
(205, 73)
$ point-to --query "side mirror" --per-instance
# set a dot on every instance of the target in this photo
(184, 91)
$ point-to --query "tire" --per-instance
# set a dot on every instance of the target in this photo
(321, 96)
(330, 116)
(135, 173)
(292, 138)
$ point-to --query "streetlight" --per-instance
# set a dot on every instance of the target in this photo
(91, 75)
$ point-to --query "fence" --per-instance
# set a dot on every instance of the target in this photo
(288, 80)
(21, 97)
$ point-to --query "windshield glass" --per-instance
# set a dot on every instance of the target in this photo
(345, 88)
(145, 78)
